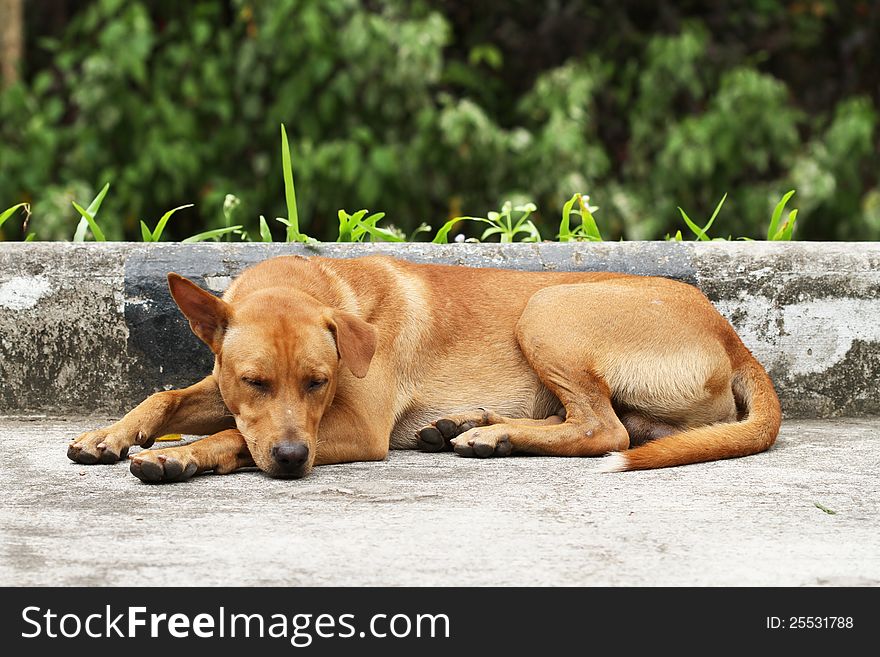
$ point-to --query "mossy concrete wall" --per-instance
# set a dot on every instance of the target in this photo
(90, 328)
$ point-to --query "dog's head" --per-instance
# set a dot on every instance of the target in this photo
(278, 355)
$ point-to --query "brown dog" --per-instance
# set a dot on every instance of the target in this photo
(327, 361)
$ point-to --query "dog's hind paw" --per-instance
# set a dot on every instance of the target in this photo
(483, 442)
(156, 467)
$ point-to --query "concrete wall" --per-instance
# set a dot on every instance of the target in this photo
(90, 328)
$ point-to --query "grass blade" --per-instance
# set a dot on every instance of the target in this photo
(97, 233)
(777, 214)
(11, 211)
(565, 222)
(160, 227)
(146, 235)
(293, 234)
(80, 234)
(714, 214)
(211, 234)
(265, 233)
(696, 230)
(785, 232)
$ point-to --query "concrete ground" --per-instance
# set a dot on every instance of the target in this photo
(805, 513)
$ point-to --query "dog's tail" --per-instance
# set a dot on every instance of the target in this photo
(756, 432)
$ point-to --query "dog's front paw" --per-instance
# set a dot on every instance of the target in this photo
(100, 446)
(483, 442)
(164, 465)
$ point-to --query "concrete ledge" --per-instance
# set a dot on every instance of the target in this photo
(90, 328)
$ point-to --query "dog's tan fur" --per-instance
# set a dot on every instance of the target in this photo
(328, 361)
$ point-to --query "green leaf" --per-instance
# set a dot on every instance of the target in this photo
(11, 211)
(565, 222)
(31, 237)
(374, 218)
(146, 235)
(694, 228)
(97, 233)
(80, 234)
(384, 235)
(822, 507)
(714, 214)
(530, 229)
(265, 233)
(211, 234)
(588, 223)
(293, 234)
(351, 228)
(494, 230)
(160, 227)
(777, 214)
(344, 226)
(442, 235)
(362, 226)
(784, 234)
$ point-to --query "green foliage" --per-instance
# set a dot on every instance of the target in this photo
(509, 223)
(156, 233)
(588, 230)
(360, 227)
(293, 234)
(431, 110)
(701, 233)
(775, 232)
(87, 219)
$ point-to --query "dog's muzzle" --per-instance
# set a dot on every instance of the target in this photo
(290, 459)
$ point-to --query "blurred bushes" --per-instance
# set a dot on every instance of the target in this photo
(431, 109)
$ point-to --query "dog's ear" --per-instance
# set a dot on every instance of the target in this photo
(207, 315)
(355, 341)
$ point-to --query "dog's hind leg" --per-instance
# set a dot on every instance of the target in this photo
(221, 453)
(561, 360)
(198, 409)
(591, 428)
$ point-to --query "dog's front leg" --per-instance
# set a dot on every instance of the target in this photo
(353, 434)
(198, 410)
(221, 453)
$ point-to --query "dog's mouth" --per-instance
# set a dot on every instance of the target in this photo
(289, 475)
(274, 470)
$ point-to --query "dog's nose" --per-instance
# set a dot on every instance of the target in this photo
(291, 456)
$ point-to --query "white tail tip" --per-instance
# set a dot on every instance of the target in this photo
(612, 462)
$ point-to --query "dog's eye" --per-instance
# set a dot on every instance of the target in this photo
(316, 384)
(256, 384)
